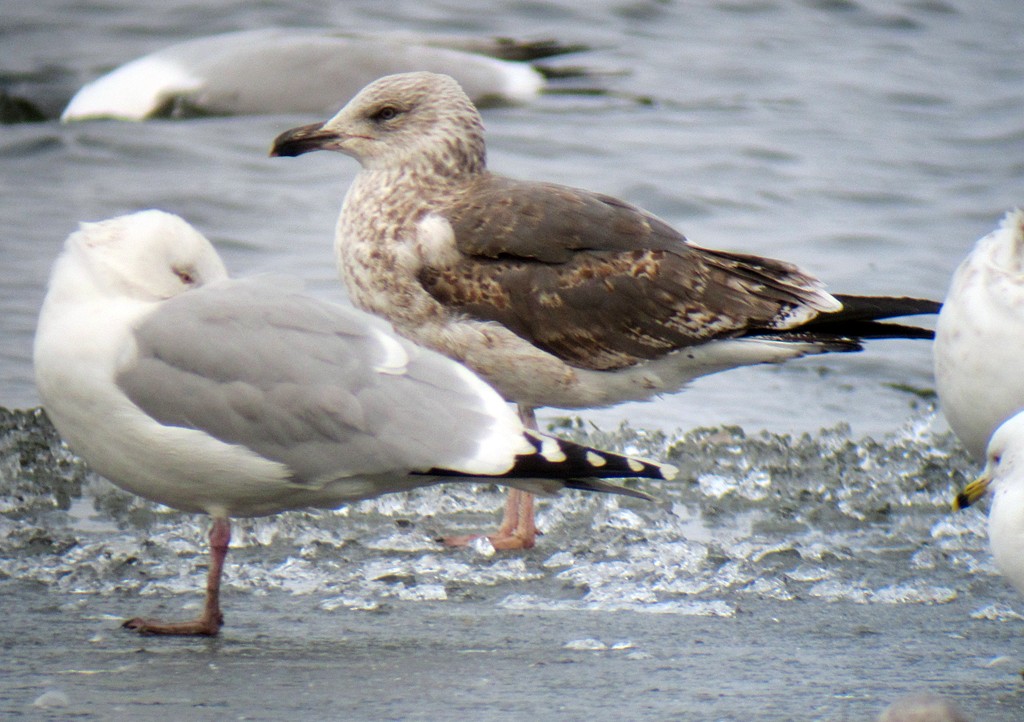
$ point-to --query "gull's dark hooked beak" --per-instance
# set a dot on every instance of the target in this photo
(304, 139)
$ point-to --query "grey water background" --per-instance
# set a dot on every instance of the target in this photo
(805, 564)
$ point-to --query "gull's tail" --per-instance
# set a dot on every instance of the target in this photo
(573, 466)
(861, 318)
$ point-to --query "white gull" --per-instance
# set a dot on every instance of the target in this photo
(1003, 476)
(289, 70)
(979, 337)
(245, 398)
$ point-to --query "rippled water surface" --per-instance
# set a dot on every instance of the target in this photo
(870, 142)
(804, 565)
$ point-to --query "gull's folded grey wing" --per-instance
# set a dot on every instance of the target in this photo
(326, 390)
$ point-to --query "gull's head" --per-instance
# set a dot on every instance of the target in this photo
(396, 121)
(150, 255)
(1004, 464)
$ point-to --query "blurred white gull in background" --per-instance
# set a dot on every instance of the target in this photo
(276, 71)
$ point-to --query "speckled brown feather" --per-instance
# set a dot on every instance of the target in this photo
(598, 282)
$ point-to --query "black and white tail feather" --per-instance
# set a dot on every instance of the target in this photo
(572, 466)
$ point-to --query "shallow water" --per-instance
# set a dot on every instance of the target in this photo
(782, 576)
(779, 577)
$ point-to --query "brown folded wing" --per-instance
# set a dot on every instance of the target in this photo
(600, 283)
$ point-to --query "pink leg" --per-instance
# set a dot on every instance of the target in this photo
(518, 529)
(211, 620)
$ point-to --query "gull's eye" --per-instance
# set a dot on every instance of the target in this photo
(386, 113)
(186, 276)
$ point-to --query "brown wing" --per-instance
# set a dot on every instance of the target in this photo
(495, 216)
(598, 282)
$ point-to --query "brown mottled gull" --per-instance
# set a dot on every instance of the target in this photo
(557, 296)
(246, 398)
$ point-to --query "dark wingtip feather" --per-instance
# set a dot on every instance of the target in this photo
(505, 48)
(576, 466)
(874, 308)
(861, 318)
(558, 458)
